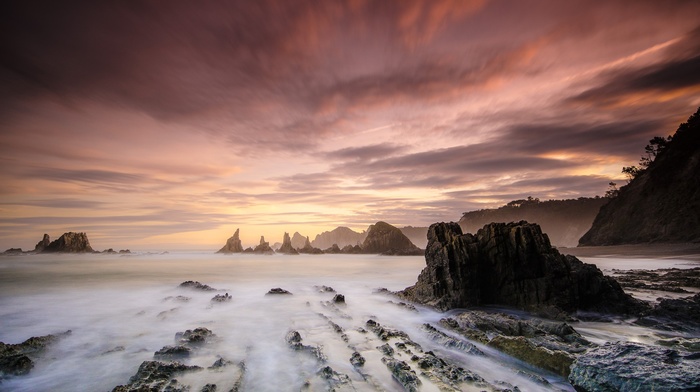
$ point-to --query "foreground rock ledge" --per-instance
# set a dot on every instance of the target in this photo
(514, 265)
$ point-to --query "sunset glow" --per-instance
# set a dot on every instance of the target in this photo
(167, 125)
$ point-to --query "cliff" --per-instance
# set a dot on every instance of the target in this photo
(233, 244)
(660, 204)
(514, 265)
(340, 236)
(386, 239)
(69, 243)
(564, 220)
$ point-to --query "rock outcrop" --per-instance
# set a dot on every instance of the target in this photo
(513, 265)
(308, 249)
(69, 243)
(41, 245)
(340, 236)
(263, 247)
(287, 247)
(660, 204)
(18, 359)
(629, 366)
(386, 239)
(679, 314)
(233, 244)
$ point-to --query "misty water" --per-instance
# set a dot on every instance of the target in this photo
(121, 309)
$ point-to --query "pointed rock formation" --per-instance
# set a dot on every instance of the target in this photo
(386, 239)
(286, 247)
(69, 243)
(308, 249)
(41, 245)
(263, 247)
(233, 244)
(513, 265)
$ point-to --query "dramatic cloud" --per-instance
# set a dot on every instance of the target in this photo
(172, 124)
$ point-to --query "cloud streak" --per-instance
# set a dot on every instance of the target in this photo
(186, 121)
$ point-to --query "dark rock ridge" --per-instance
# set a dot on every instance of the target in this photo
(628, 366)
(340, 236)
(69, 243)
(386, 239)
(13, 251)
(233, 244)
(41, 245)
(513, 265)
(286, 247)
(308, 249)
(660, 204)
(565, 221)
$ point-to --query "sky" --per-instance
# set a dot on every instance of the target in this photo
(169, 124)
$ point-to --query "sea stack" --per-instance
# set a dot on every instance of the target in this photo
(41, 245)
(308, 249)
(386, 239)
(233, 244)
(514, 265)
(286, 247)
(69, 243)
(263, 247)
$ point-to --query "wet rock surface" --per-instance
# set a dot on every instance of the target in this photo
(157, 376)
(673, 280)
(681, 314)
(627, 366)
(196, 286)
(513, 265)
(18, 359)
(278, 291)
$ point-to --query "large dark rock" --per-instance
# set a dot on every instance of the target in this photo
(628, 366)
(286, 247)
(70, 243)
(514, 265)
(233, 244)
(661, 204)
(386, 239)
(41, 245)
